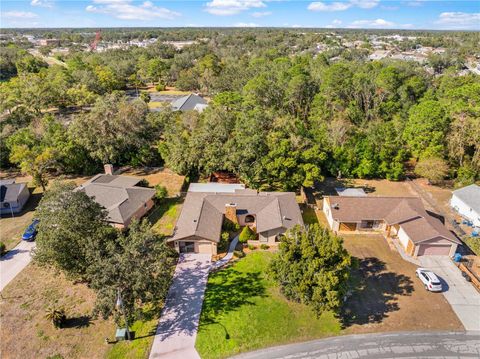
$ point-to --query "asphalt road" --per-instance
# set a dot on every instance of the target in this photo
(371, 346)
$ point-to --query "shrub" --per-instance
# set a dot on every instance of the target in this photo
(56, 316)
(160, 87)
(246, 235)
(230, 226)
(239, 254)
(434, 169)
(264, 246)
(160, 192)
(143, 183)
(223, 241)
(251, 247)
(145, 96)
(2, 248)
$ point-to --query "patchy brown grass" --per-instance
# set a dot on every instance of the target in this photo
(25, 331)
(165, 214)
(389, 297)
(163, 176)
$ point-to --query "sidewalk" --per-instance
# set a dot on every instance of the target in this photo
(14, 262)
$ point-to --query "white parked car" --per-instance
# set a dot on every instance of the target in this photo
(429, 279)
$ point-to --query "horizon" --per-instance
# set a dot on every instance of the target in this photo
(341, 14)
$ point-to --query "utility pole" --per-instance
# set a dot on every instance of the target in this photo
(120, 305)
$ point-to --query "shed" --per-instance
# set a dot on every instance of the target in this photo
(466, 202)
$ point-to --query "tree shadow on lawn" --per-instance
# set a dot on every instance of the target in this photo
(376, 293)
(230, 290)
(82, 321)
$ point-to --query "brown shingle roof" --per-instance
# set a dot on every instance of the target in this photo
(408, 212)
(202, 212)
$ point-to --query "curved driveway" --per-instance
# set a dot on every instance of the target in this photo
(371, 346)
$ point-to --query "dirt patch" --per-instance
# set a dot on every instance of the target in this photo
(163, 176)
(388, 296)
(25, 331)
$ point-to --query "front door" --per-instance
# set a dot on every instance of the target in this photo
(187, 247)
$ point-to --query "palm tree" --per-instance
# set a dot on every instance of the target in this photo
(56, 315)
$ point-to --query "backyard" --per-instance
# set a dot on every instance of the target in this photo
(244, 310)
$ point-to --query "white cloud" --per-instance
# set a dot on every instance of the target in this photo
(342, 6)
(459, 20)
(261, 13)
(334, 6)
(19, 15)
(378, 23)
(336, 22)
(365, 4)
(246, 24)
(232, 7)
(42, 3)
(415, 3)
(125, 10)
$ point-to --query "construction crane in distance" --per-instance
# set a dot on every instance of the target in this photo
(98, 37)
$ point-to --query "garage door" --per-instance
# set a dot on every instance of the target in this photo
(434, 250)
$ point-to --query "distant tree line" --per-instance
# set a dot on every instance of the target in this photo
(281, 115)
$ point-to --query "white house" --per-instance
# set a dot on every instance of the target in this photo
(466, 201)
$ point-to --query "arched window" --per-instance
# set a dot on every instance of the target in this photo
(249, 218)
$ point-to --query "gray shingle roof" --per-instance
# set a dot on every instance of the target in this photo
(118, 194)
(470, 195)
(9, 191)
(188, 103)
(202, 212)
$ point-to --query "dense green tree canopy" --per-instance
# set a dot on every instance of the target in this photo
(312, 267)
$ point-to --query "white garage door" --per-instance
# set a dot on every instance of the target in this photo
(434, 250)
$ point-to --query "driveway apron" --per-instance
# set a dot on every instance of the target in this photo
(14, 262)
(462, 296)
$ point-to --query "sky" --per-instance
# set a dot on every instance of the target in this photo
(373, 14)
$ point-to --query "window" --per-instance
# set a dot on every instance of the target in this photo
(369, 224)
(249, 218)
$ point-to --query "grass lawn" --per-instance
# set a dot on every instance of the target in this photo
(140, 346)
(244, 310)
(162, 176)
(164, 215)
(25, 331)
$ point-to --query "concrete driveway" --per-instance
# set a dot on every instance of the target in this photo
(14, 261)
(177, 329)
(462, 296)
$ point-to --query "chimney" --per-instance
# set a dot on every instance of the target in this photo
(231, 212)
(108, 169)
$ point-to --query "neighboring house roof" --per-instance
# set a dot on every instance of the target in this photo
(352, 192)
(203, 212)
(9, 190)
(408, 212)
(118, 194)
(188, 103)
(470, 195)
(215, 187)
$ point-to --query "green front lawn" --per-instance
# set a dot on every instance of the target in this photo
(244, 310)
(164, 215)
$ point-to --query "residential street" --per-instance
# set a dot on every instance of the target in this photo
(177, 329)
(371, 346)
(462, 296)
(14, 261)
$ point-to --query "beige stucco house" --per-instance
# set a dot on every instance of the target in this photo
(403, 218)
(206, 206)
